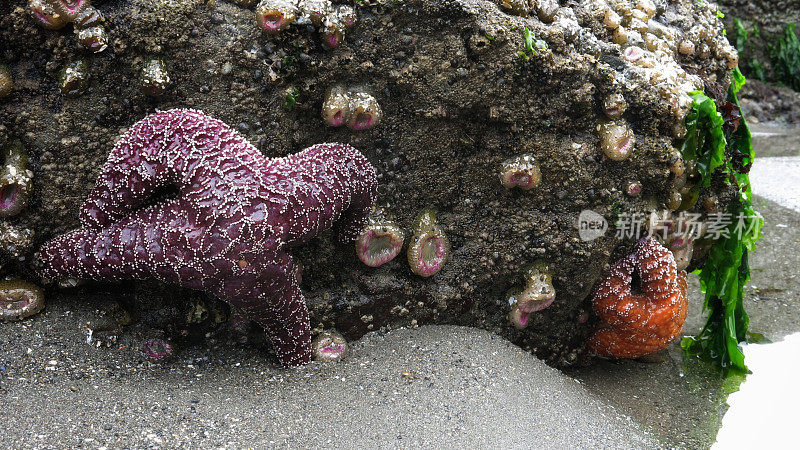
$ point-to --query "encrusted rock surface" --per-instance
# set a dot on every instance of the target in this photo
(459, 93)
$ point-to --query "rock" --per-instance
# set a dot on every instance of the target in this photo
(474, 87)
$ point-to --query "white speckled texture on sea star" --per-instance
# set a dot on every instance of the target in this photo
(643, 319)
(229, 229)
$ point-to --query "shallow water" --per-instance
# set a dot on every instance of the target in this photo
(763, 412)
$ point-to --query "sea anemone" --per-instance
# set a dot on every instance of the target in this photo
(329, 346)
(74, 78)
(521, 172)
(274, 16)
(354, 107)
(19, 299)
(336, 107)
(614, 105)
(429, 247)
(154, 77)
(616, 139)
(16, 181)
(332, 32)
(157, 350)
(87, 20)
(92, 35)
(15, 241)
(633, 189)
(379, 242)
(6, 82)
(364, 111)
(315, 10)
(537, 295)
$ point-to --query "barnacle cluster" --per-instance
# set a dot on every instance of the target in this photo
(6, 82)
(86, 20)
(684, 193)
(332, 21)
(19, 299)
(521, 172)
(545, 10)
(651, 48)
(355, 107)
(154, 77)
(329, 346)
(517, 7)
(380, 240)
(429, 247)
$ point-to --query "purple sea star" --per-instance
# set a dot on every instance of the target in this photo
(229, 229)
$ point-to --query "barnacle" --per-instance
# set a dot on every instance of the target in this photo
(521, 172)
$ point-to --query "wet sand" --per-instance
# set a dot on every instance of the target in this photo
(436, 386)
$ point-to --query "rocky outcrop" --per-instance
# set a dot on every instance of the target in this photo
(462, 85)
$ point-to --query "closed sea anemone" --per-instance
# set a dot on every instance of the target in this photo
(537, 295)
(329, 346)
(19, 299)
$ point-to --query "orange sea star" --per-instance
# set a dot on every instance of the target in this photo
(639, 317)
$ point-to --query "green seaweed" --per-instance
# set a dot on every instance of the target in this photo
(741, 35)
(726, 270)
(291, 99)
(757, 69)
(531, 44)
(785, 55)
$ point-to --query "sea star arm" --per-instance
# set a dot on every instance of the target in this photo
(277, 304)
(265, 290)
(82, 254)
(170, 148)
(355, 217)
(333, 185)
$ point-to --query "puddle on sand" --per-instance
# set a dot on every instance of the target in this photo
(763, 412)
(681, 401)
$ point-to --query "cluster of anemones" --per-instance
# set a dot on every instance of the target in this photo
(331, 20)
(87, 20)
(382, 239)
(354, 107)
